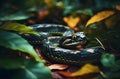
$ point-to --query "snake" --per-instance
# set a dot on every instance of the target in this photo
(60, 44)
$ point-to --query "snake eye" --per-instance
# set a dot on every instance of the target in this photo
(74, 37)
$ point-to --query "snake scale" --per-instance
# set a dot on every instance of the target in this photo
(58, 44)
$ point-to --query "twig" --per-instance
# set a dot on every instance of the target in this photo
(102, 74)
(100, 43)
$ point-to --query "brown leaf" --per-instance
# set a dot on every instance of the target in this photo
(42, 14)
(58, 67)
(56, 75)
(99, 17)
(66, 74)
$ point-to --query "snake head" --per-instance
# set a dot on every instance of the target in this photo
(73, 40)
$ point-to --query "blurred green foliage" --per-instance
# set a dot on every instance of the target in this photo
(53, 11)
(11, 7)
(14, 53)
(111, 67)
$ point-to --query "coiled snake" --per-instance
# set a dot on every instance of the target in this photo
(58, 44)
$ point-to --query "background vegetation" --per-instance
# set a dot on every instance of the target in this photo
(97, 18)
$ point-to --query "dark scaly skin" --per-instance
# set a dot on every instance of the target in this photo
(54, 53)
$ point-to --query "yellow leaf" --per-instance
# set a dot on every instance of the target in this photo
(86, 69)
(71, 21)
(49, 3)
(60, 4)
(99, 17)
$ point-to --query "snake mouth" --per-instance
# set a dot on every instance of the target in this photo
(73, 40)
(69, 42)
(73, 44)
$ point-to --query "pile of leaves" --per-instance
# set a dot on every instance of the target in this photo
(20, 60)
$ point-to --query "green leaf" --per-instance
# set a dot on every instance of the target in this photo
(108, 60)
(19, 28)
(68, 10)
(16, 42)
(85, 11)
(15, 16)
(23, 69)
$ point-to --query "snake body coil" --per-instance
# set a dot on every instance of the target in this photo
(51, 46)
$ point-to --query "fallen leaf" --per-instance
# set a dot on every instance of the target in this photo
(71, 21)
(66, 74)
(55, 75)
(58, 67)
(86, 69)
(42, 14)
(100, 16)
